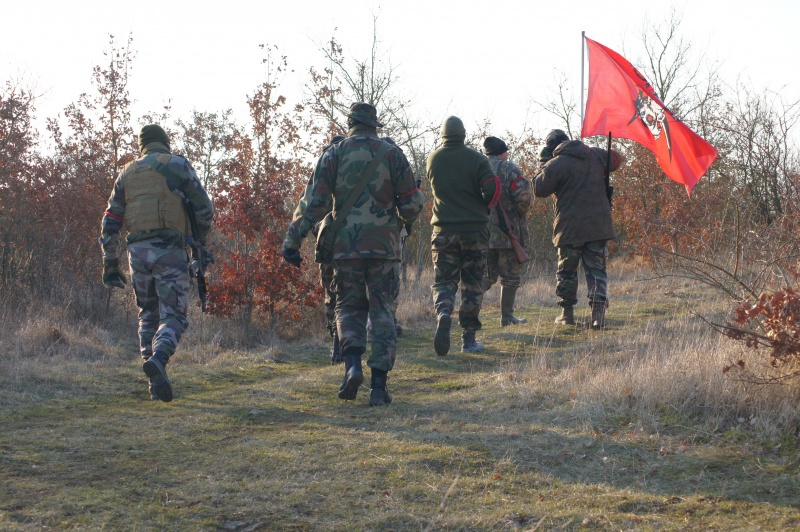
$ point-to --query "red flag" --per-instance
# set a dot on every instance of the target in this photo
(621, 101)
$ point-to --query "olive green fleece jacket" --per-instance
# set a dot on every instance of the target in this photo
(462, 181)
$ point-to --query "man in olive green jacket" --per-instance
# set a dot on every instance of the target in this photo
(464, 189)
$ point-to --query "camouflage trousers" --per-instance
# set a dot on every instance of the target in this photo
(504, 264)
(459, 257)
(160, 279)
(367, 288)
(326, 280)
(593, 257)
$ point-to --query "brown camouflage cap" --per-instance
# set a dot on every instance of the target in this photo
(364, 113)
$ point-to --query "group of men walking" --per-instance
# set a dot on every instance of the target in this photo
(360, 199)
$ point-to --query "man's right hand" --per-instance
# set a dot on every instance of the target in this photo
(112, 276)
(292, 256)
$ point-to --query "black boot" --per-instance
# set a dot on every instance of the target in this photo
(353, 377)
(378, 396)
(598, 315)
(468, 342)
(507, 296)
(336, 351)
(567, 316)
(155, 368)
(441, 341)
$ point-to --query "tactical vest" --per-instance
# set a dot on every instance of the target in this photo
(149, 203)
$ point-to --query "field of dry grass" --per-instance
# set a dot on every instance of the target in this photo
(551, 428)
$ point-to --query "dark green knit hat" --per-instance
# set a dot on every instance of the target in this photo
(152, 133)
(453, 127)
(364, 113)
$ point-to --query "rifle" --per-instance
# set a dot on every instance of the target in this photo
(198, 265)
(609, 188)
(519, 251)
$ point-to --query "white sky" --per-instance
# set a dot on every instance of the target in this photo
(474, 59)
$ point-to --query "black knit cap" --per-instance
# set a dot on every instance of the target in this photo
(152, 133)
(494, 146)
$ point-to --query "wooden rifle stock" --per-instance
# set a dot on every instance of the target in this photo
(519, 251)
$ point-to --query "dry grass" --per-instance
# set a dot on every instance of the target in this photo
(551, 428)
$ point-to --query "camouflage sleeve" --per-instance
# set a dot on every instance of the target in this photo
(408, 197)
(519, 189)
(316, 202)
(111, 226)
(198, 198)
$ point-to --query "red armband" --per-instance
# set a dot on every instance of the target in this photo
(496, 196)
(514, 184)
(114, 216)
(408, 194)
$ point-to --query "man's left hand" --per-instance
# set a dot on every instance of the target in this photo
(292, 256)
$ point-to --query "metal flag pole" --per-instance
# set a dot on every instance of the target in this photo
(583, 50)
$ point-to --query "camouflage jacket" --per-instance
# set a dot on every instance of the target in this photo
(189, 188)
(515, 197)
(576, 176)
(390, 199)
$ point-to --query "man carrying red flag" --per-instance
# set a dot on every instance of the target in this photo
(575, 174)
(622, 102)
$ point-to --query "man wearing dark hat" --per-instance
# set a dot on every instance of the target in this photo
(366, 246)
(150, 200)
(515, 199)
(575, 174)
(464, 189)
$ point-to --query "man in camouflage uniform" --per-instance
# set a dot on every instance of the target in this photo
(575, 174)
(149, 200)
(366, 247)
(464, 190)
(515, 199)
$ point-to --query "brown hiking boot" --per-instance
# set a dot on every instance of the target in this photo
(567, 316)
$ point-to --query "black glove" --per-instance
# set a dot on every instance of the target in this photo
(409, 227)
(292, 256)
(208, 257)
(112, 276)
(545, 154)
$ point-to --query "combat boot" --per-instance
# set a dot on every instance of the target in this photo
(155, 369)
(468, 342)
(567, 316)
(378, 396)
(598, 316)
(353, 377)
(336, 350)
(441, 341)
(507, 296)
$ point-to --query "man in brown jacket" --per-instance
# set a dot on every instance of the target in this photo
(575, 175)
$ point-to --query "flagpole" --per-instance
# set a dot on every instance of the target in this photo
(583, 50)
